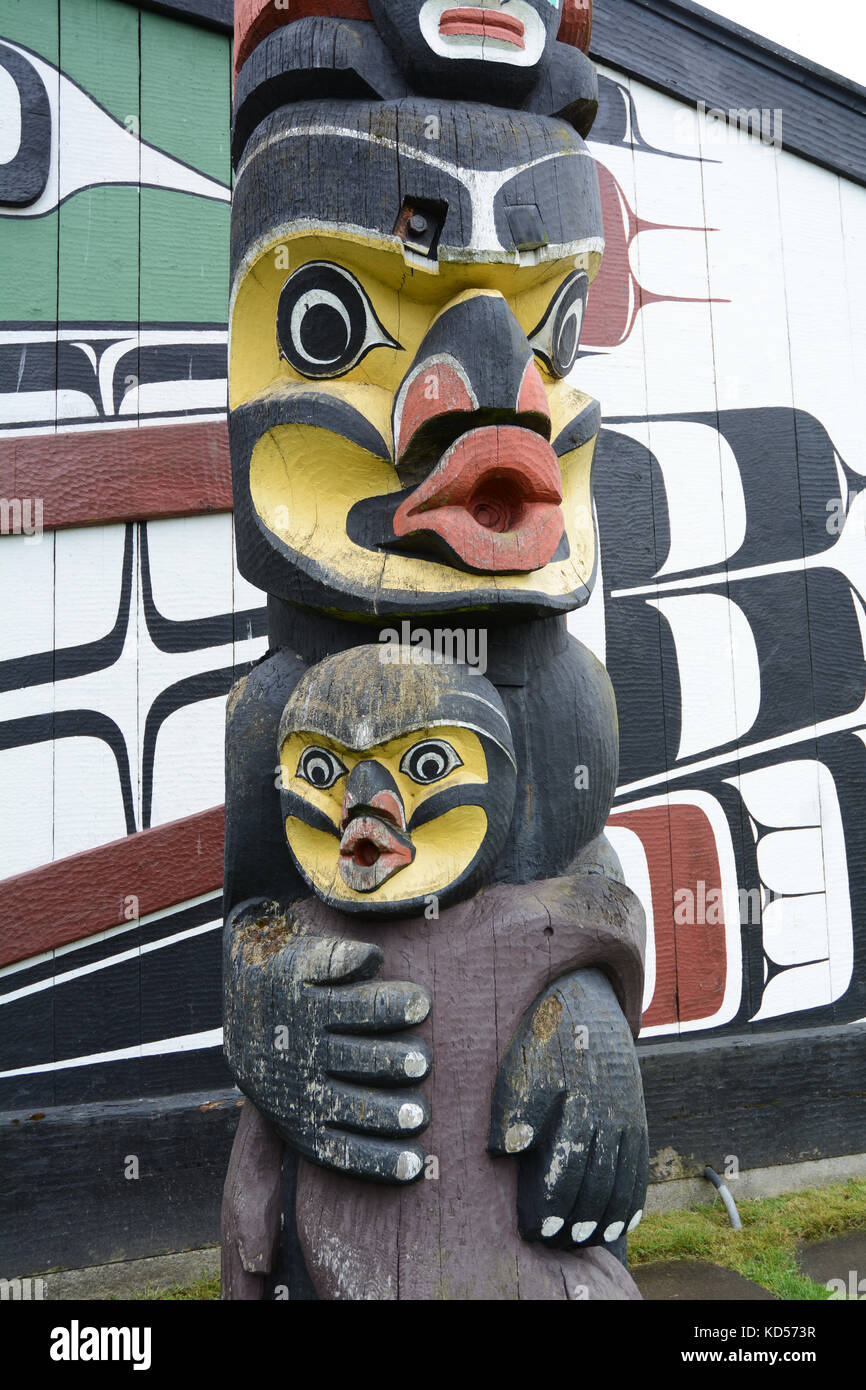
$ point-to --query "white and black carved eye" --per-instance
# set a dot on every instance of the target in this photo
(325, 322)
(429, 761)
(557, 338)
(320, 768)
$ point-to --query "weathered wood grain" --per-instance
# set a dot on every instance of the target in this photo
(452, 1234)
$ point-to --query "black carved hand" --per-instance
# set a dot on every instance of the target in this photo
(316, 1043)
(569, 1100)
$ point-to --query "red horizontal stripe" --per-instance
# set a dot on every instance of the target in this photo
(87, 893)
(92, 477)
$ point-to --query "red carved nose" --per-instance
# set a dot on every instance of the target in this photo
(494, 499)
(440, 387)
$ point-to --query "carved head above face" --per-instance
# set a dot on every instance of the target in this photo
(490, 51)
(398, 780)
(454, 47)
(404, 439)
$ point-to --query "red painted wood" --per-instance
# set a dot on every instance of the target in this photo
(533, 397)
(617, 297)
(255, 19)
(691, 958)
(438, 389)
(87, 893)
(576, 24)
(483, 23)
(99, 476)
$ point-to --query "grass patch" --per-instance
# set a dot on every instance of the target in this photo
(204, 1288)
(765, 1250)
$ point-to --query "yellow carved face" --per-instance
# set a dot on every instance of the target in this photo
(407, 437)
(408, 290)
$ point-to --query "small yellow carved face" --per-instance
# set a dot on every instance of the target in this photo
(397, 780)
(382, 826)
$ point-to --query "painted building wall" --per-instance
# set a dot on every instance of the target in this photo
(723, 339)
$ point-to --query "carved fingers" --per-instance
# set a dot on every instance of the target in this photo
(324, 1051)
(568, 1100)
(378, 1007)
(398, 1061)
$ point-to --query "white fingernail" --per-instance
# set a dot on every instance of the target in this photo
(410, 1116)
(518, 1137)
(552, 1226)
(582, 1230)
(614, 1230)
(408, 1166)
(417, 1009)
(415, 1064)
(636, 1220)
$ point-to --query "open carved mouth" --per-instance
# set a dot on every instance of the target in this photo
(494, 498)
(484, 24)
(372, 850)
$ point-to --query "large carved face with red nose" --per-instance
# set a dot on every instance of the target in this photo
(407, 429)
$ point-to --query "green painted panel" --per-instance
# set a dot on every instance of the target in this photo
(33, 23)
(184, 258)
(151, 255)
(99, 235)
(99, 260)
(99, 51)
(186, 93)
(28, 245)
(28, 281)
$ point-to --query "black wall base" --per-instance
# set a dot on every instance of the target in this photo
(776, 1098)
(67, 1203)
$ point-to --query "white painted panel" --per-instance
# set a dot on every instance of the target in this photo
(792, 861)
(26, 595)
(89, 562)
(827, 377)
(189, 766)
(720, 690)
(852, 208)
(25, 808)
(191, 565)
(784, 795)
(88, 806)
(629, 849)
(802, 987)
(10, 117)
(795, 930)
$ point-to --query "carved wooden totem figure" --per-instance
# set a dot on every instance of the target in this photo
(433, 970)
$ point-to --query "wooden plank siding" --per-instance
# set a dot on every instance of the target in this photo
(724, 340)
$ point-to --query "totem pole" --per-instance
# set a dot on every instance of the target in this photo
(433, 970)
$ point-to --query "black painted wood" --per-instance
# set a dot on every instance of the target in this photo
(784, 1098)
(788, 1098)
(215, 14)
(66, 1203)
(23, 178)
